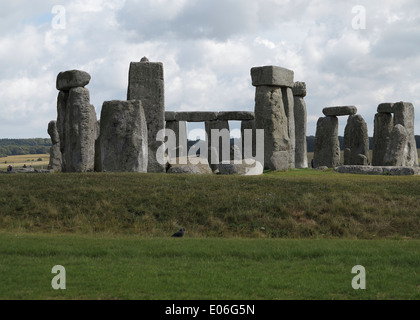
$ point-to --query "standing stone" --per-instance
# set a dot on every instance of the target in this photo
(404, 115)
(62, 98)
(123, 139)
(270, 115)
(218, 139)
(289, 102)
(384, 124)
(77, 130)
(55, 152)
(396, 153)
(146, 83)
(327, 146)
(356, 141)
(274, 113)
(301, 149)
(180, 130)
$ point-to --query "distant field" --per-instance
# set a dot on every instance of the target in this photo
(28, 160)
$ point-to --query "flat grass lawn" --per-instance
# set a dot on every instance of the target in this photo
(130, 267)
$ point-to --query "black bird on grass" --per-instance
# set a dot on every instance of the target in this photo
(179, 234)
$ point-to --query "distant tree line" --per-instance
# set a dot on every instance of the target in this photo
(15, 147)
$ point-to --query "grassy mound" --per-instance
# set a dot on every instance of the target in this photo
(294, 204)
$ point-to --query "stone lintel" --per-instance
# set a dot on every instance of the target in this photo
(340, 111)
(203, 116)
(272, 76)
(387, 107)
(72, 79)
(236, 115)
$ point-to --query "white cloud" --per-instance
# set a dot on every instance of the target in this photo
(208, 49)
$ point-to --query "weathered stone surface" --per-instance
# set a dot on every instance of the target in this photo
(185, 169)
(289, 106)
(181, 137)
(123, 139)
(384, 123)
(379, 170)
(72, 79)
(76, 125)
(359, 169)
(246, 168)
(356, 141)
(386, 108)
(53, 132)
(270, 115)
(62, 98)
(327, 146)
(404, 115)
(170, 116)
(279, 161)
(401, 171)
(339, 111)
(396, 153)
(301, 149)
(146, 83)
(236, 115)
(272, 76)
(198, 116)
(218, 135)
(185, 166)
(299, 89)
(55, 152)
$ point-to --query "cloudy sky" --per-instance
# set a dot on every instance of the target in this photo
(358, 53)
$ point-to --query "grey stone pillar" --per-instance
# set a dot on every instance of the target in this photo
(388, 138)
(180, 130)
(274, 112)
(396, 154)
(146, 83)
(123, 143)
(404, 115)
(55, 152)
(76, 122)
(356, 141)
(218, 139)
(327, 145)
(301, 149)
(383, 125)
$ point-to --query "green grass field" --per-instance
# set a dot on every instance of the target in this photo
(283, 235)
(131, 268)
